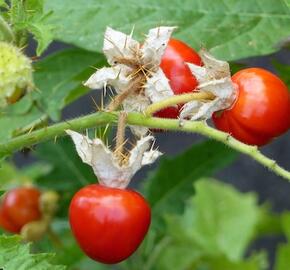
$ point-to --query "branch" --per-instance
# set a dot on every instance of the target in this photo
(48, 133)
(138, 119)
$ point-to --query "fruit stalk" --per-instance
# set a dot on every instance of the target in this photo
(178, 99)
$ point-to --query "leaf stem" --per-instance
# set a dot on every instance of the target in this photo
(178, 99)
(138, 119)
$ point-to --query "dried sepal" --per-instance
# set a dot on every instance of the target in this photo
(118, 45)
(132, 62)
(157, 87)
(106, 165)
(108, 76)
(155, 45)
(214, 77)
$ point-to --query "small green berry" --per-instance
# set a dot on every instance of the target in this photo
(15, 74)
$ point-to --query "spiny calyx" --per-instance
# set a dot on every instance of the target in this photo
(15, 74)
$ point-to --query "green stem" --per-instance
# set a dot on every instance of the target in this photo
(138, 119)
(6, 34)
(178, 99)
(48, 133)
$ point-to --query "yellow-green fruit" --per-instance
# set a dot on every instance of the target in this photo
(15, 74)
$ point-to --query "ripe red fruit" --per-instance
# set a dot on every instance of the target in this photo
(6, 224)
(181, 80)
(109, 223)
(261, 111)
(19, 207)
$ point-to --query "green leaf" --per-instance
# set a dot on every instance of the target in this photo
(269, 223)
(212, 217)
(282, 257)
(69, 173)
(213, 233)
(28, 16)
(283, 71)
(6, 33)
(171, 184)
(68, 169)
(36, 170)
(62, 73)
(230, 29)
(3, 4)
(12, 177)
(256, 262)
(42, 33)
(285, 220)
(287, 2)
(13, 122)
(15, 255)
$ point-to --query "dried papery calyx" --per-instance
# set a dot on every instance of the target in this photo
(213, 77)
(15, 74)
(106, 165)
(134, 73)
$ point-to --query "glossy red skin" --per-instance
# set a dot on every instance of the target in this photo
(6, 224)
(261, 111)
(181, 80)
(19, 207)
(109, 223)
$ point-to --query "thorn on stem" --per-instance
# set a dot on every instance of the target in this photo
(120, 138)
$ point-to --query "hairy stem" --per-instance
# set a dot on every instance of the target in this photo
(52, 132)
(178, 99)
(138, 119)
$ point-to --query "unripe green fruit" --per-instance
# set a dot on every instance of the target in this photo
(15, 74)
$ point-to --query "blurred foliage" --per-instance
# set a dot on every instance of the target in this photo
(171, 184)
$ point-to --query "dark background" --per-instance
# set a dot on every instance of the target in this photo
(245, 174)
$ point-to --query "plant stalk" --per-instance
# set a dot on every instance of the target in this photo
(138, 119)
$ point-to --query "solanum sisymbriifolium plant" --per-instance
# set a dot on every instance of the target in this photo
(68, 186)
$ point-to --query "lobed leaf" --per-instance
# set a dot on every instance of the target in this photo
(15, 255)
(214, 231)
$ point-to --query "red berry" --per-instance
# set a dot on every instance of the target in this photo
(109, 223)
(261, 111)
(181, 80)
(19, 207)
(6, 224)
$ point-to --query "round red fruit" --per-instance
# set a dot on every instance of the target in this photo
(109, 223)
(181, 80)
(19, 207)
(261, 111)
